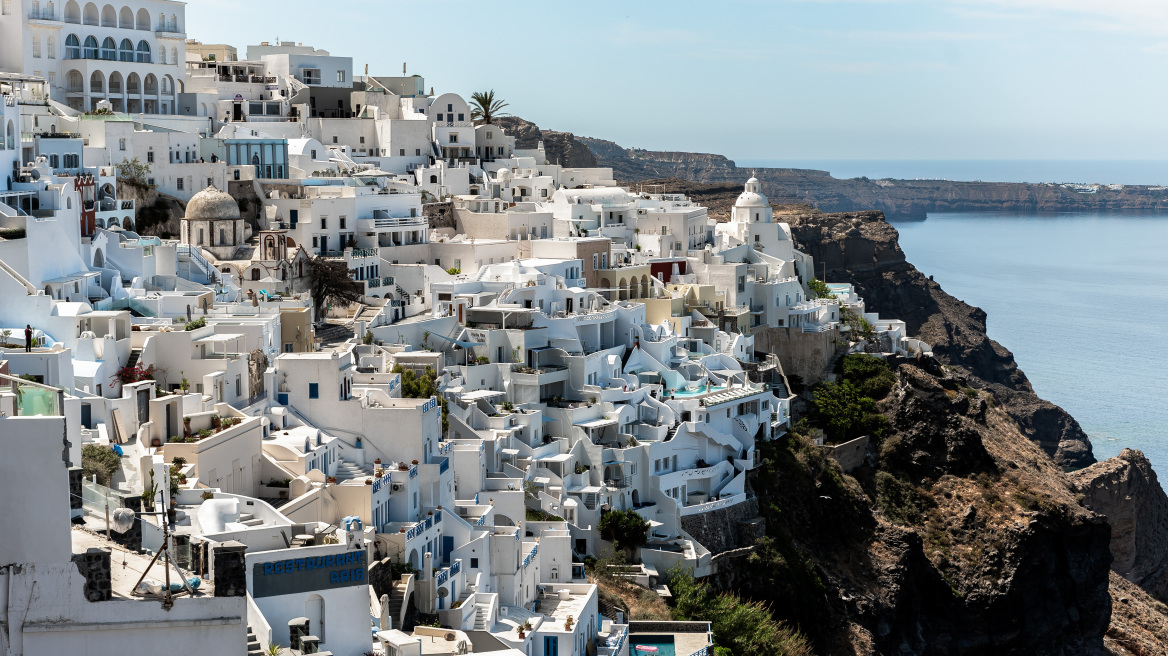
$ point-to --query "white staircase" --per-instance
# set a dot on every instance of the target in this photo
(347, 471)
(482, 619)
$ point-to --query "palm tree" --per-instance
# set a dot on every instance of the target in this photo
(486, 107)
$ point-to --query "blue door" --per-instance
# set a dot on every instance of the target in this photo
(551, 646)
(447, 547)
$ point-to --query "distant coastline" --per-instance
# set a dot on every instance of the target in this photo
(1127, 172)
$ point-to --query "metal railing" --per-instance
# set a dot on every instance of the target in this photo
(34, 399)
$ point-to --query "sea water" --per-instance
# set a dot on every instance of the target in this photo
(1080, 299)
(1132, 172)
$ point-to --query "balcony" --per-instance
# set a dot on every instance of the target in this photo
(44, 14)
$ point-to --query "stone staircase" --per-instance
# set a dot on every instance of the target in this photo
(397, 602)
(347, 471)
(250, 520)
(254, 648)
(333, 333)
(135, 354)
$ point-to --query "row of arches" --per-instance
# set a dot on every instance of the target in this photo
(134, 85)
(626, 288)
(126, 224)
(109, 50)
(125, 18)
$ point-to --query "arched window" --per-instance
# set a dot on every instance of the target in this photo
(72, 12)
(109, 17)
(72, 47)
(433, 179)
(97, 82)
(126, 51)
(161, 54)
(36, 46)
(143, 52)
(255, 274)
(174, 55)
(74, 83)
(133, 84)
(143, 20)
(222, 237)
(90, 48)
(126, 18)
(151, 85)
(109, 49)
(51, 46)
(91, 15)
(166, 85)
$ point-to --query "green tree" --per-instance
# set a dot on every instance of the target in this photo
(820, 288)
(742, 628)
(869, 374)
(626, 529)
(330, 284)
(100, 461)
(844, 413)
(485, 107)
(133, 171)
(425, 386)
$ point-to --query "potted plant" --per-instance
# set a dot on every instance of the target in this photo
(520, 630)
(215, 422)
(413, 462)
(156, 442)
(526, 625)
(377, 461)
(186, 426)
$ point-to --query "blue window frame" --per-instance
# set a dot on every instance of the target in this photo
(551, 646)
(313, 391)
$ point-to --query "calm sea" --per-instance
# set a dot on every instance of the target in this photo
(1080, 299)
(1132, 172)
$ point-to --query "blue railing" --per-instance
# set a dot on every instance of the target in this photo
(531, 556)
(414, 471)
(444, 466)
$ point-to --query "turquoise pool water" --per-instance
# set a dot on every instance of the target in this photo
(704, 389)
(664, 645)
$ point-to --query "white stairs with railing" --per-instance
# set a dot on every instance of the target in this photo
(347, 471)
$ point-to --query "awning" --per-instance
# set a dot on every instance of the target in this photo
(597, 423)
(465, 345)
(220, 338)
(559, 457)
(481, 394)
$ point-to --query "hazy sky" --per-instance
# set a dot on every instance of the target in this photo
(881, 79)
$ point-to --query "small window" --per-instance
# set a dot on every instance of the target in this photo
(342, 223)
(474, 563)
(324, 223)
(150, 156)
(121, 144)
(334, 139)
(313, 391)
(439, 117)
(179, 184)
(402, 152)
(417, 152)
(340, 76)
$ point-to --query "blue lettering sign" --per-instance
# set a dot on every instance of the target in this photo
(359, 574)
(334, 578)
(330, 561)
(344, 576)
(267, 569)
(299, 564)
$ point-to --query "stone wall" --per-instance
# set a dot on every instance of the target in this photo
(849, 455)
(806, 355)
(229, 569)
(132, 538)
(440, 215)
(726, 528)
(94, 565)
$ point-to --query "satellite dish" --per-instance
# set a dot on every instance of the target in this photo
(443, 592)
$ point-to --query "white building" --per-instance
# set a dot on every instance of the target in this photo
(132, 56)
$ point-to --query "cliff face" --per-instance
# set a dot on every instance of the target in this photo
(562, 148)
(862, 248)
(976, 546)
(1126, 491)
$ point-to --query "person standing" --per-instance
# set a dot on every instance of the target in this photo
(28, 338)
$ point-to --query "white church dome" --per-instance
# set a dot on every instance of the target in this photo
(752, 196)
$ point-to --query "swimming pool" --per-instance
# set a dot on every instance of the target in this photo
(662, 645)
(704, 389)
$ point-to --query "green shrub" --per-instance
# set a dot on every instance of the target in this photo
(869, 374)
(844, 413)
(626, 529)
(896, 498)
(100, 461)
(742, 628)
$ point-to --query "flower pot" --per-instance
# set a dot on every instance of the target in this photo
(377, 461)
(156, 442)
(413, 462)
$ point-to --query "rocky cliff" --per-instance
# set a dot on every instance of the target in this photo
(562, 148)
(957, 536)
(1126, 491)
